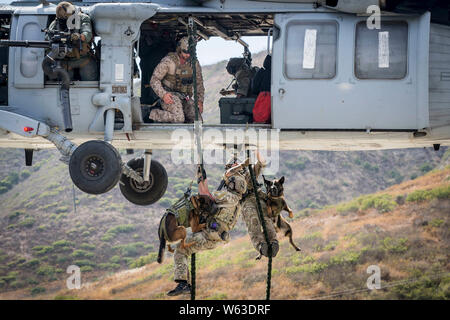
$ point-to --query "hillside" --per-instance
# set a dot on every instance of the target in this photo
(404, 230)
(46, 224)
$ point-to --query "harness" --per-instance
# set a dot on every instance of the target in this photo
(180, 210)
(182, 80)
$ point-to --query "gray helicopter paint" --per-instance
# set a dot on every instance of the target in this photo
(344, 101)
(118, 25)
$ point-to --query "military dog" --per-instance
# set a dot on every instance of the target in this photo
(276, 203)
(172, 227)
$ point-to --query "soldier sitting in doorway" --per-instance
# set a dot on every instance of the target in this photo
(172, 81)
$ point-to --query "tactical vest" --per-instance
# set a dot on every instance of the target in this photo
(181, 211)
(182, 80)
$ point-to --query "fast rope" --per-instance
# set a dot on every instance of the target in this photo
(192, 32)
(263, 223)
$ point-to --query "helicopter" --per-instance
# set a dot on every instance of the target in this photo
(336, 84)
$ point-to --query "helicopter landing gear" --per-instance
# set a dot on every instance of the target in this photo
(145, 192)
(95, 167)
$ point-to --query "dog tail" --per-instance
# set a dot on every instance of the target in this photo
(162, 248)
(162, 239)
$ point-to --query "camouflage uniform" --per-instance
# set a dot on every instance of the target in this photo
(176, 78)
(251, 216)
(243, 79)
(79, 59)
(228, 202)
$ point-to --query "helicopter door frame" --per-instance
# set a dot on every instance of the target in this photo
(311, 92)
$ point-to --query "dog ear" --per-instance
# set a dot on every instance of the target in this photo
(265, 180)
(281, 180)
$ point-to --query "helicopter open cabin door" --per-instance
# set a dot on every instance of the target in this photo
(330, 71)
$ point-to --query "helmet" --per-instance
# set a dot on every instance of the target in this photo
(234, 64)
(236, 183)
(233, 160)
(183, 45)
(64, 10)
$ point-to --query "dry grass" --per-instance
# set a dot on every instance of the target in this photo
(230, 272)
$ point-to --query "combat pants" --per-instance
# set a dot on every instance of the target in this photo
(87, 66)
(254, 227)
(203, 241)
(177, 112)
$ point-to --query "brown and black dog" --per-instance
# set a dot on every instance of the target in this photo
(277, 203)
(171, 231)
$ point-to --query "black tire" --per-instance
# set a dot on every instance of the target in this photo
(149, 192)
(95, 167)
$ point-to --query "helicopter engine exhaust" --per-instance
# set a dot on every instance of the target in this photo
(54, 70)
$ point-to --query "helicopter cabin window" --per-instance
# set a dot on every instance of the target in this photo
(311, 49)
(382, 53)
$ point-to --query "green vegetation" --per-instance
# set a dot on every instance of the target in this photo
(82, 254)
(382, 202)
(114, 231)
(143, 260)
(41, 250)
(395, 245)
(27, 223)
(426, 167)
(426, 195)
(130, 249)
(436, 223)
(37, 290)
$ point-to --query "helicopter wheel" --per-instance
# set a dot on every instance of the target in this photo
(144, 194)
(95, 167)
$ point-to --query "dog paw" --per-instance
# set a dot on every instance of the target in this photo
(258, 257)
(291, 214)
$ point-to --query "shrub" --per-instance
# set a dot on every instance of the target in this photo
(41, 250)
(350, 257)
(84, 262)
(62, 243)
(25, 174)
(37, 290)
(130, 249)
(27, 223)
(115, 259)
(82, 254)
(395, 245)
(383, 203)
(61, 209)
(87, 246)
(425, 195)
(109, 266)
(86, 268)
(31, 263)
(426, 167)
(46, 270)
(436, 223)
(314, 267)
(143, 260)
(15, 214)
